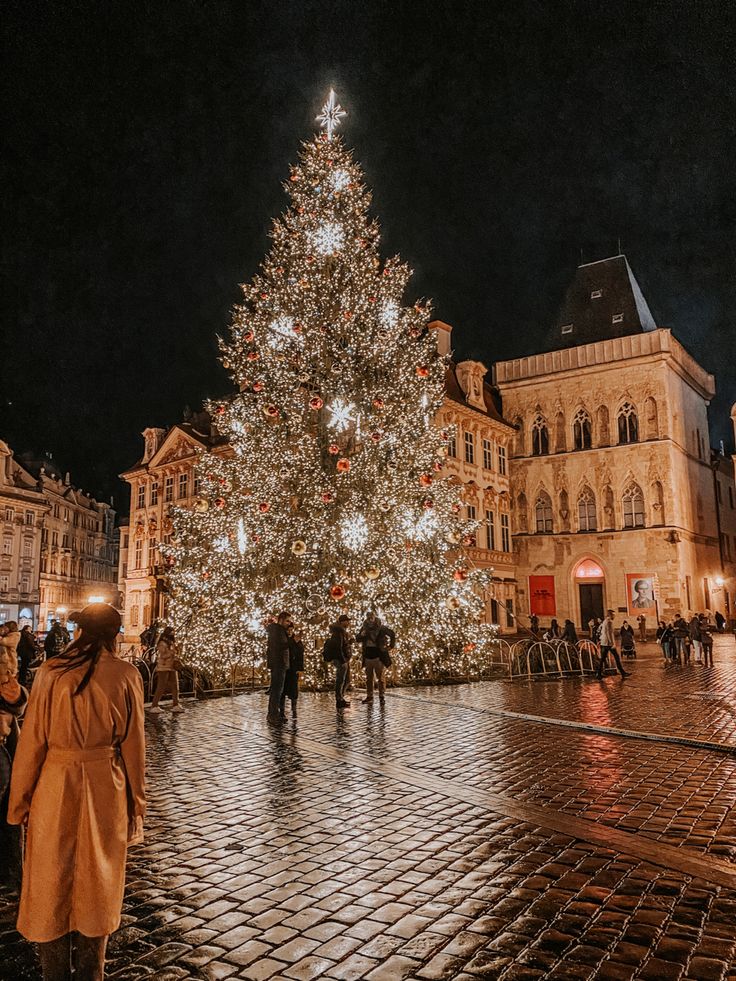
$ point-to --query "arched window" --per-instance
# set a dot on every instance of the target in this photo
(604, 435)
(651, 417)
(519, 439)
(628, 424)
(560, 441)
(633, 502)
(543, 513)
(582, 430)
(587, 518)
(540, 437)
(657, 503)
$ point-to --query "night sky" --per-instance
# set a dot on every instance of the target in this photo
(145, 146)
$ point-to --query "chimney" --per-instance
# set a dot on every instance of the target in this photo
(443, 333)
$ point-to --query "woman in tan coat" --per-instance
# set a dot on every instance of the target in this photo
(78, 781)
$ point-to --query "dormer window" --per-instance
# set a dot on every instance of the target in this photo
(567, 329)
(596, 294)
(617, 318)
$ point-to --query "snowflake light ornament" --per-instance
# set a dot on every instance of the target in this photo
(354, 532)
(342, 415)
(328, 238)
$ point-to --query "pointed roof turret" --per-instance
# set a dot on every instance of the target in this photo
(603, 301)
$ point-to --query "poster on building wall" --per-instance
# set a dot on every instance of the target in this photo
(640, 588)
(542, 596)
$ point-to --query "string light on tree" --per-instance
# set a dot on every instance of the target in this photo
(331, 501)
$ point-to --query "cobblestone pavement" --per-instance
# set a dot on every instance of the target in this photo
(444, 836)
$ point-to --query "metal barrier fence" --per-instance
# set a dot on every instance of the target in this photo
(530, 658)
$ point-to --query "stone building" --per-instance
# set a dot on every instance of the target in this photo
(163, 476)
(612, 489)
(79, 555)
(22, 511)
(478, 459)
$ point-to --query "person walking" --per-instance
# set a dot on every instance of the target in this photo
(628, 644)
(338, 648)
(167, 674)
(608, 646)
(277, 658)
(291, 678)
(79, 784)
(642, 621)
(27, 652)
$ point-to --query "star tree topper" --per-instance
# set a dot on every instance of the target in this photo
(331, 115)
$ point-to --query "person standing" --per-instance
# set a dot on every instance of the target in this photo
(338, 648)
(27, 652)
(79, 784)
(628, 644)
(706, 640)
(642, 621)
(167, 674)
(696, 638)
(291, 678)
(56, 640)
(277, 658)
(720, 621)
(13, 701)
(681, 635)
(608, 646)
(375, 666)
(569, 634)
(368, 636)
(534, 625)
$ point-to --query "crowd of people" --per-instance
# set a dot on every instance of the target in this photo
(285, 659)
(681, 639)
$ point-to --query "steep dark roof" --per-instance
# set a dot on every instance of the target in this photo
(454, 391)
(603, 301)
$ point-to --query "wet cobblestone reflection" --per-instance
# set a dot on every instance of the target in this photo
(439, 838)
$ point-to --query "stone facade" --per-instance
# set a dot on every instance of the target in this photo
(162, 477)
(611, 465)
(22, 511)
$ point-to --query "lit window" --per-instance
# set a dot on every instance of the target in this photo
(617, 318)
(596, 294)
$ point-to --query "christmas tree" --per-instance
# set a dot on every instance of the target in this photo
(332, 499)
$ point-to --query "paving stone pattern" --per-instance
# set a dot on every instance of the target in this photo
(361, 846)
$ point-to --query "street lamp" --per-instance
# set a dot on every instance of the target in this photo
(95, 599)
(720, 582)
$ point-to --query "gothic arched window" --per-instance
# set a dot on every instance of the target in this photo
(540, 437)
(587, 518)
(628, 424)
(582, 430)
(633, 504)
(543, 513)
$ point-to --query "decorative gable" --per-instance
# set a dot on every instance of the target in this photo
(470, 375)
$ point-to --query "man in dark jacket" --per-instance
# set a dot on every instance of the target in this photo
(13, 701)
(277, 657)
(56, 640)
(338, 649)
(27, 652)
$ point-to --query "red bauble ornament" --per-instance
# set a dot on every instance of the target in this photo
(386, 272)
(468, 541)
(460, 575)
(468, 648)
(422, 371)
(376, 436)
(414, 331)
(264, 507)
(316, 403)
(206, 574)
(334, 449)
(271, 411)
(378, 403)
(220, 502)
(327, 498)
(264, 296)
(257, 386)
(427, 503)
(436, 466)
(343, 465)
(371, 299)
(294, 178)
(425, 480)
(249, 336)
(252, 355)
(337, 592)
(297, 328)
(455, 509)
(220, 410)
(348, 314)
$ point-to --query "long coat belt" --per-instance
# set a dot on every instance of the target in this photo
(81, 755)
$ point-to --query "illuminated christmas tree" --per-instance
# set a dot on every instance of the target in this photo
(332, 500)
